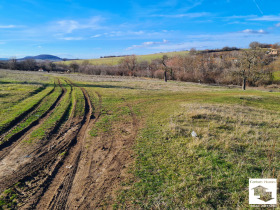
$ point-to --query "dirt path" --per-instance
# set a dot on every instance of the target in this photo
(102, 169)
(13, 158)
(72, 170)
(57, 194)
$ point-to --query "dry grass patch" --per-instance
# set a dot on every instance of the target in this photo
(175, 169)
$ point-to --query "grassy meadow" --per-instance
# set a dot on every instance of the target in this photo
(276, 75)
(237, 139)
(115, 60)
(237, 135)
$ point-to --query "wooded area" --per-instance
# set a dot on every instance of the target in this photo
(229, 66)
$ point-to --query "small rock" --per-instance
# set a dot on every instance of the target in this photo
(194, 134)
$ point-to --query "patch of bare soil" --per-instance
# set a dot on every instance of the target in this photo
(15, 158)
(103, 168)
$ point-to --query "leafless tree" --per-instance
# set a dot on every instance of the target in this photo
(129, 63)
(29, 64)
(74, 67)
(254, 45)
(12, 64)
(164, 63)
(252, 63)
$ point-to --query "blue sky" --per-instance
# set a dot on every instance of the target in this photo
(89, 28)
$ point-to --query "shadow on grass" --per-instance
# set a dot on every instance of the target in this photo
(103, 86)
(107, 86)
(66, 85)
(25, 83)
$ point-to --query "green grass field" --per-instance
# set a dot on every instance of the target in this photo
(116, 60)
(56, 118)
(276, 76)
(11, 113)
(45, 105)
(237, 138)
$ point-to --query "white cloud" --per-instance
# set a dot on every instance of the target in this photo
(7, 26)
(214, 41)
(188, 15)
(124, 33)
(137, 32)
(266, 18)
(153, 43)
(250, 31)
(69, 26)
(234, 17)
(118, 34)
(72, 38)
(97, 35)
(147, 44)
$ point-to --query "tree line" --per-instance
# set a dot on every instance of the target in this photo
(237, 67)
(32, 65)
(229, 66)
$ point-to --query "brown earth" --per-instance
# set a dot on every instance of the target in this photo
(70, 169)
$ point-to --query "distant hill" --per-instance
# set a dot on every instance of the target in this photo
(43, 57)
(3, 59)
(114, 60)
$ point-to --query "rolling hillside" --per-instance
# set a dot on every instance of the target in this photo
(115, 60)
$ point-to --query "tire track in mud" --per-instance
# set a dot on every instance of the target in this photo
(23, 171)
(59, 200)
(97, 181)
(14, 140)
(23, 116)
(55, 197)
(39, 173)
(82, 178)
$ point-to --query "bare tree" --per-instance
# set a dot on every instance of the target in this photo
(74, 67)
(12, 64)
(275, 46)
(254, 45)
(29, 64)
(52, 66)
(154, 66)
(193, 51)
(164, 63)
(129, 63)
(251, 65)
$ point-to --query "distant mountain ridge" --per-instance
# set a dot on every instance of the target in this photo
(43, 57)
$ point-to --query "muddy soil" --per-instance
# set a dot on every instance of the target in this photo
(70, 169)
